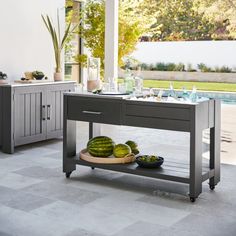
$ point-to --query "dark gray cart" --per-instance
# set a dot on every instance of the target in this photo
(192, 118)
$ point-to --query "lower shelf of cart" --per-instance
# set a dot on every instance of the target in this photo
(173, 171)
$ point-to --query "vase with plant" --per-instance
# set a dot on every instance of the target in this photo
(58, 42)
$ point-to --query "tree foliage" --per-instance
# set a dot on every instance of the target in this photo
(177, 20)
(222, 13)
(160, 20)
(191, 19)
(132, 25)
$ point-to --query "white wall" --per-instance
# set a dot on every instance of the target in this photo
(212, 53)
(25, 44)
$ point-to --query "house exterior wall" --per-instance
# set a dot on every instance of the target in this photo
(212, 53)
(25, 44)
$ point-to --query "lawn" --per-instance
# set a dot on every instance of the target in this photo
(188, 85)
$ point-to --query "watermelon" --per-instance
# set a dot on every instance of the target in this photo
(100, 146)
(134, 146)
(38, 74)
(121, 150)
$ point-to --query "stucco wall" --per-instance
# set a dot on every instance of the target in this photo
(186, 76)
(212, 53)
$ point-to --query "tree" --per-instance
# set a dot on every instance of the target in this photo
(222, 13)
(73, 17)
(177, 20)
(132, 25)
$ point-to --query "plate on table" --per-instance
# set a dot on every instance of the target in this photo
(84, 155)
(113, 93)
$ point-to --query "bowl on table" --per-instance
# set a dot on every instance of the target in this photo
(38, 75)
(149, 161)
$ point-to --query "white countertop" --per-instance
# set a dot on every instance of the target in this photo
(134, 99)
(46, 82)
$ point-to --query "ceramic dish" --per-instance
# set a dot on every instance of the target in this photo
(149, 164)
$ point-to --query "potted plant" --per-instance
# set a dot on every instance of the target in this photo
(58, 42)
(3, 78)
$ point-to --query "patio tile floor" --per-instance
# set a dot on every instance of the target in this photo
(37, 199)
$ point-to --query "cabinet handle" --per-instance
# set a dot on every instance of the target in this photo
(92, 112)
(43, 113)
(48, 112)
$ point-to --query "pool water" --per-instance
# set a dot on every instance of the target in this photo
(226, 98)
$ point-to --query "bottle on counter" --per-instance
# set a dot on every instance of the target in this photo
(185, 94)
(159, 95)
(172, 93)
(193, 96)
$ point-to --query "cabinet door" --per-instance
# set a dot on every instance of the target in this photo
(29, 114)
(54, 109)
(1, 114)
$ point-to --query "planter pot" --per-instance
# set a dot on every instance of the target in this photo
(58, 76)
(92, 85)
(2, 81)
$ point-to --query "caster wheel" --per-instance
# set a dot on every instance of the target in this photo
(192, 199)
(92, 168)
(68, 174)
(212, 187)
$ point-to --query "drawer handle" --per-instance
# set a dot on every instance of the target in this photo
(43, 113)
(92, 112)
(48, 112)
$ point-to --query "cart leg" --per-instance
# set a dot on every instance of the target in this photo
(94, 130)
(68, 174)
(215, 147)
(192, 199)
(195, 185)
(69, 143)
(7, 120)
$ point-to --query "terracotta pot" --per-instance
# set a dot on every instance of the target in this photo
(92, 85)
(58, 76)
(2, 81)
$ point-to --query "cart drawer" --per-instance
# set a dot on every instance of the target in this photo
(94, 110)
(158, 112)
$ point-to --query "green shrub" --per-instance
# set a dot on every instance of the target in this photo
(190, 68)
(204, 68)
(160, 66)
(170, 67)
(179, 67)
(144, 66)
(152, 67)
(223, 69)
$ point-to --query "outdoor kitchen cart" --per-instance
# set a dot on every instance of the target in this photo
(185, 117)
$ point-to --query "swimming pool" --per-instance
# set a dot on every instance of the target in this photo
(225, 97)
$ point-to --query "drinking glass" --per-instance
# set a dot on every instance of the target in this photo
(122, 87)
(105, 87)
(112, 84)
